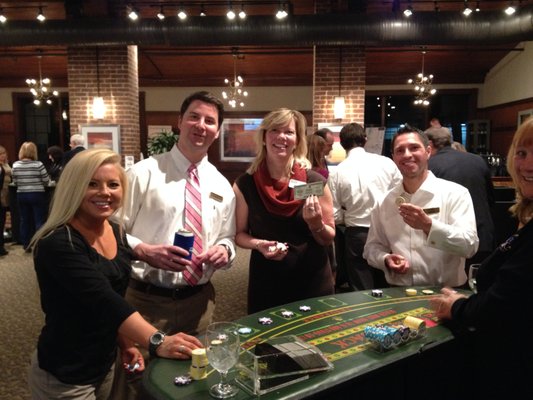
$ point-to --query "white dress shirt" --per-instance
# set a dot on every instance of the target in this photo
(156, 205)
(439, 258)
(358, 183)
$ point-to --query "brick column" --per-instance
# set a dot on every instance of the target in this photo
(119, 86)
(326, 83)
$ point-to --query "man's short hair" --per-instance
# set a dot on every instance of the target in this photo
(205, 97)
(440, 137)
(410, 129)
(352, 135)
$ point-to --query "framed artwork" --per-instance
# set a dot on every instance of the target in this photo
(107, 136)
(523, 115)
(237, 139)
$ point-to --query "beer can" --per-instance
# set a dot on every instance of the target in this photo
(185, 240)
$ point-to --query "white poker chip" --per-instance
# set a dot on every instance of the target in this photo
(279, 246)
(265, 320)
(305, 308)
(400, 200)
(377, 292)
(182, 380)
(287, 314)
(244, 330)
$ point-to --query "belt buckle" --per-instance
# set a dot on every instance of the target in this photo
(176, 293)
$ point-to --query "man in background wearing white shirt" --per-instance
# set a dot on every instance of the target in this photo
(357, 184)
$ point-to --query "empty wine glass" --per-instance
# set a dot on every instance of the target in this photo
(472, 274)
(222, 348)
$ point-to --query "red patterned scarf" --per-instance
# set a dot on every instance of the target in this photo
(276, 195)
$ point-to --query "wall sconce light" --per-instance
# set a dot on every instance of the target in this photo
(99, 107)
(339, 105)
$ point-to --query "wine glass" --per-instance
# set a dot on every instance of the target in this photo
(472, 273)
(222, 348)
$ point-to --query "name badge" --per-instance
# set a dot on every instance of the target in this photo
(216, 197)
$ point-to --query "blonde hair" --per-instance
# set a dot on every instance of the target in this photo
(523, 208)
(72, 186)
(276, 119)
(316, 146)
(3, 150)
(28, 150)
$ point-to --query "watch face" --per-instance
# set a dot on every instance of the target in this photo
(157, 338)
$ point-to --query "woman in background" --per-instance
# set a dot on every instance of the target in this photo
(5, 180)
(55, 155)
(288, 236)
(317, 150)
(31, 178)
(500, 312)
(83, 264)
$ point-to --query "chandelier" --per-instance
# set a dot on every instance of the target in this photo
(422, 86)
(41, 89)
(235, 93)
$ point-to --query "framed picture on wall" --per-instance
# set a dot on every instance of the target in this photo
(237, 139)
(523, 115)
(103, 136)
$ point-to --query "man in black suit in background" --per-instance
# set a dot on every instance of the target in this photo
(77, 143)
(471, 171)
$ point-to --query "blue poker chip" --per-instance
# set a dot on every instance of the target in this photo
(265, 321)
(305, 308)
(182, 380)
(244, 330)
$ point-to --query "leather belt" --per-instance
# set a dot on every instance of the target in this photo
(178, 293)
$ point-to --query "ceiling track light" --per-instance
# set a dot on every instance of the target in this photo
(282, 11)
(133, 14)
(182, 14)
(242, 13)
(467, 10)
(161, 14)
(40, 16)
(3, 18)
(230, 14)
(478, 8)
(202, 11)
(409, 10)
(511, 9)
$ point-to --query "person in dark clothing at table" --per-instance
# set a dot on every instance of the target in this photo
(82, 261)
(55, 155)
(288, 236)
(500, 311)
(77, 144)
(472, 172)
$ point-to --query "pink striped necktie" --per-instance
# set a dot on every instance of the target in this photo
(193, 223)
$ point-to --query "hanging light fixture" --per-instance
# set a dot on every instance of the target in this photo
(235, 93)
(41, 89)
(339, 105)
(99, 107)
(422, 86)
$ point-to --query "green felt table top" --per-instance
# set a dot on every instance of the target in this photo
(334, 324)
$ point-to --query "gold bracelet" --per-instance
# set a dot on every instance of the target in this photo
(320, 229)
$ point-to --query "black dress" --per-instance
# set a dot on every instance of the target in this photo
(303, 273)
(501, 353)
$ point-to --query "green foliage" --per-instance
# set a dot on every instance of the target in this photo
(161, 143)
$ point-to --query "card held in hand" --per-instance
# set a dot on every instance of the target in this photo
(309, 189)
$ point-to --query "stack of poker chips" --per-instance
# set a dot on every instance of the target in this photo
(199, 364)
(379, 336)
(415, 324)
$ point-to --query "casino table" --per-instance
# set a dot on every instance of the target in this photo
(334, 324)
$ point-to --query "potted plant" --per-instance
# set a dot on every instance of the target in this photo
(162, 142)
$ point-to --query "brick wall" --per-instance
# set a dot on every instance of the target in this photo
(326, 83)
(119, 86)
